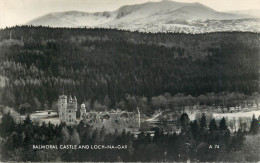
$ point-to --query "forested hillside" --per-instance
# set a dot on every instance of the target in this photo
(39, 63)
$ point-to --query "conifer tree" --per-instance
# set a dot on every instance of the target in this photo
(185, 122)
(195, 129)
(65, 134)
(222, 124)
(8, 125)
(213, 126)
(75, 139)
(27, 120)
(203, 122)
(254, 127)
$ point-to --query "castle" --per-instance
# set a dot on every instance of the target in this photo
(112, 120)
(67, 109)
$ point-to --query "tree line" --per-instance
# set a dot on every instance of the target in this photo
(196, 141)
(216, 102)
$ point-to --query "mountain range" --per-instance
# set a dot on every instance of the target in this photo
(163, 16)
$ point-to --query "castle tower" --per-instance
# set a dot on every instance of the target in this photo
(74, 100)
(71, 111)
(138, 117)
(82, 111)
(70, 99)
(62, 107)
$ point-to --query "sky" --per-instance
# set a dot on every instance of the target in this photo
(18, 12)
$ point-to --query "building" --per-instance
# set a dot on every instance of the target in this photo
(112, 120)
(67, 109)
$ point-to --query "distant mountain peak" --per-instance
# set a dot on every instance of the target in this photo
(162, 16)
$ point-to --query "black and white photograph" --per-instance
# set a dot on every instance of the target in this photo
(129, 81)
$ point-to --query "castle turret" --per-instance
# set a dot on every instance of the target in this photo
(138, 117)
(71, 111)
(62, 107)
(82, 111)
(70, 99)
(74, 99)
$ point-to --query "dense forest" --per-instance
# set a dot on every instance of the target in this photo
(197, 141)
(108, 66)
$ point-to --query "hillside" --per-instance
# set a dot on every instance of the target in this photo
(163, 16)
(101, 64)
(254, 13)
